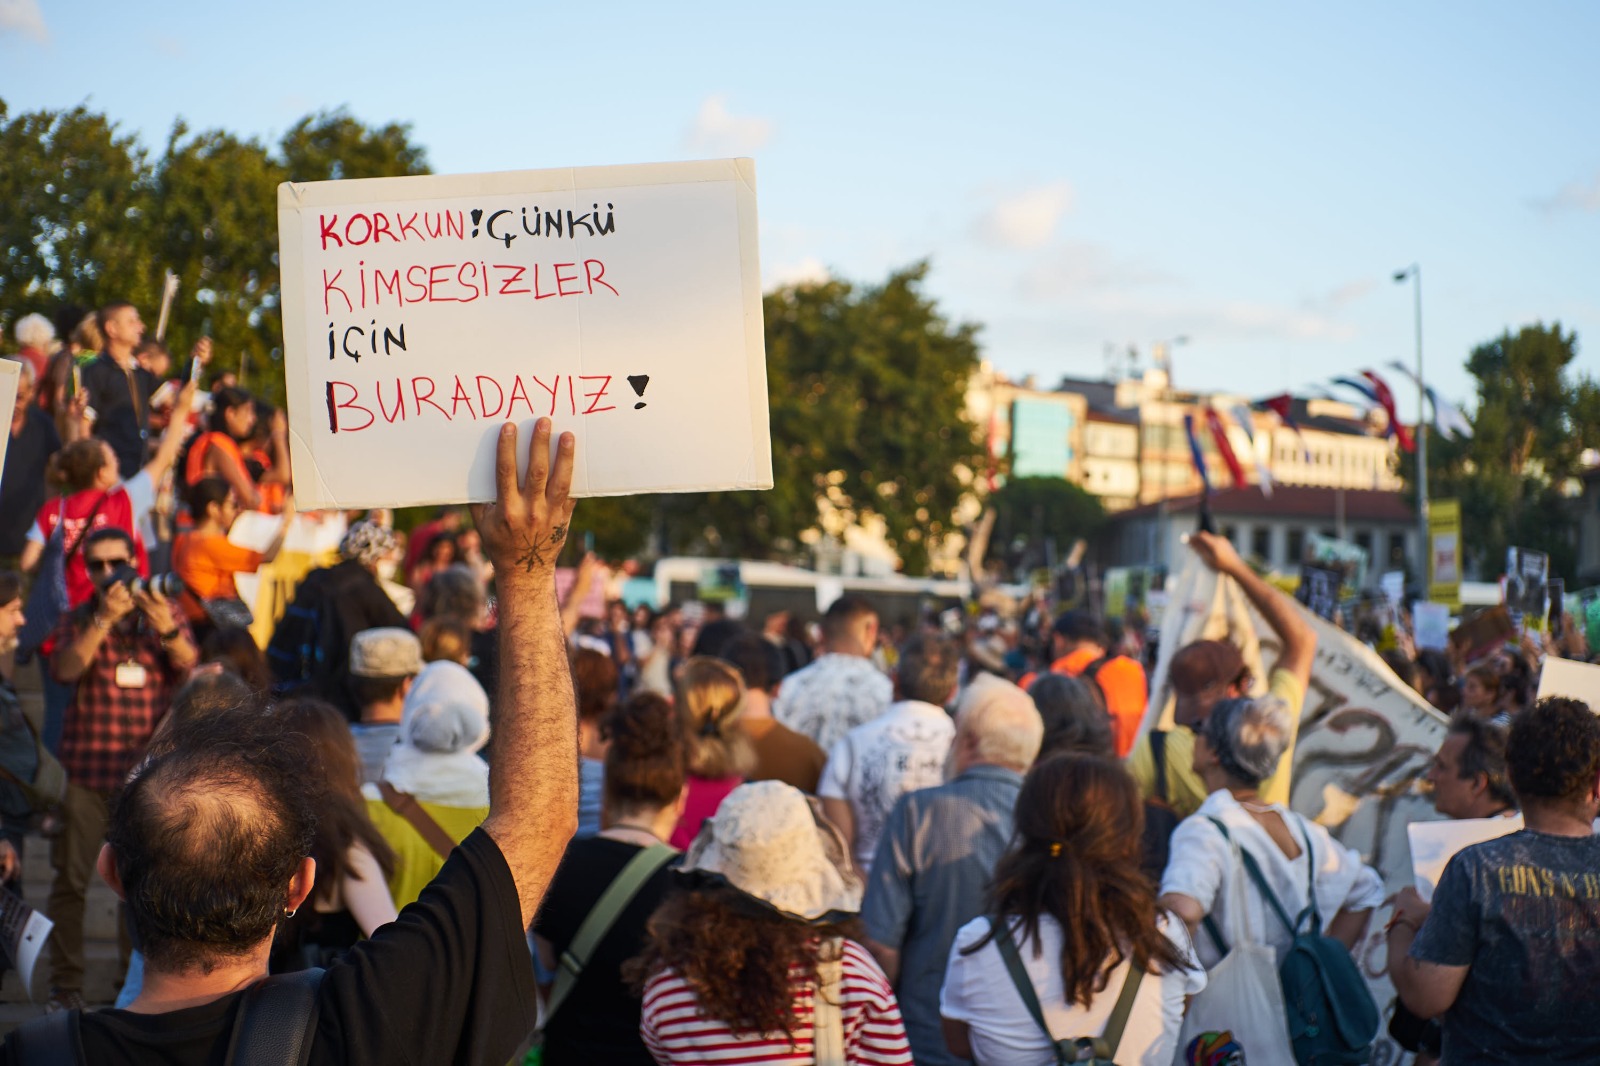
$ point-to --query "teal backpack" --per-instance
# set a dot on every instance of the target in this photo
(1330, 1012)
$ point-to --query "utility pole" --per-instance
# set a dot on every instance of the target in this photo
(1424, 548)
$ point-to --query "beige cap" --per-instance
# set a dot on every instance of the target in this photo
(385, 652)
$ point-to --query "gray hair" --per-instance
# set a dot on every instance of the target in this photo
(454, 592)
(34, 331)
(1249, 736)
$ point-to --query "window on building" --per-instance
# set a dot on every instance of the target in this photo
(1295, 550)
(1364, 542)
(1261, 543)
(1397, 549)
(1232, 534)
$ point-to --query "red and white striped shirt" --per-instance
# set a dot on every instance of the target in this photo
(676, 1032)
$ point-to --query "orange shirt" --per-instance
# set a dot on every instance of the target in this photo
(1123, 682)
(207, 563)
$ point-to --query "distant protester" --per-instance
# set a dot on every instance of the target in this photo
(710, 698)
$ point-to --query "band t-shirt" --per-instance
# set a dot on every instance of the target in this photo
(1523, 912)
(450, 982)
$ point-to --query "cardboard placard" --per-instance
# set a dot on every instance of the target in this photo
(1433, 844)
(10, 380)
(1431, 622)
(1571, 678)
(420, 313)
(1527, 578)
(1319, 589)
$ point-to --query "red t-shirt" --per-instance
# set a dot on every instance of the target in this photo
(74, 512)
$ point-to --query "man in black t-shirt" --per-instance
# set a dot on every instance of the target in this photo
(119, 388)
(209, 846)
(1509, 952)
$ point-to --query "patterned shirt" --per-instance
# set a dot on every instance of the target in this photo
(675, 1031)
(832, 696)
(877, 763)
(938, 850)
(107, 726)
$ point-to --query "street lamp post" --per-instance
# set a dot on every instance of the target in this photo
(1414, 274)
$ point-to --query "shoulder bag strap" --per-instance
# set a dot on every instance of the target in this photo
(1007, 946)
(55, 1037)
(1105, 1045)
(276, 1021)
(601, 917)
(827, 1009)
(1311, 880)
(406, 806)
(1251, 868)
(1158, 759)
(88, 525)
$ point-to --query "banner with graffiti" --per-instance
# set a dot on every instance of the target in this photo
(1364, 744)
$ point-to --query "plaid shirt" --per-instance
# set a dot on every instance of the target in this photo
(106, 727)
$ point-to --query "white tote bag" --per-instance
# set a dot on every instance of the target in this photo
(1243, 993)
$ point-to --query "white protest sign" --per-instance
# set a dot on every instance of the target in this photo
(420, 313)
(1432, 622)
(10, 379)
(1433, 844)
(1570, 678)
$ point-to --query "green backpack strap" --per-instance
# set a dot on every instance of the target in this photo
(1103, 1047)
(598, 922)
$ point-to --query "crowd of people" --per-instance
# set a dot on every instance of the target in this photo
(445, 815)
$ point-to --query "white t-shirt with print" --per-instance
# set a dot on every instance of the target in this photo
(875, 764)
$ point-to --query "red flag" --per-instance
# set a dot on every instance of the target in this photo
(1220, 435)
(1386, 401)
(1282, 405)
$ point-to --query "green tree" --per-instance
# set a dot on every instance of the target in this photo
(867, 394)
(1516, 476)
(90, 217)
(1029, 511)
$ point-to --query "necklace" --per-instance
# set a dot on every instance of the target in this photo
(1258, 808)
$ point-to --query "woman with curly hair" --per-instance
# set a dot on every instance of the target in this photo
(1075, 928)
(710, 699)
(758, 958)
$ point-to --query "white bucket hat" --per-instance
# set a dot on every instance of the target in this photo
(767, 841)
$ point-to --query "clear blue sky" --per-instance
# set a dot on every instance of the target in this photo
(1246, 175)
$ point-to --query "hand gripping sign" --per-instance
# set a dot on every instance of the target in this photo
(420, 313)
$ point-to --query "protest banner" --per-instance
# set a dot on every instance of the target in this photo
(420, 313)
(1342, 555)
(1444, 553)
(1365, 741)
(10, 379)
(1527, 579)
(1319, 589)
(1433, 844)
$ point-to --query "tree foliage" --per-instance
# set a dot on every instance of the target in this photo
(92, 217)
(867, 394)
(1516, 476)
(1030, 511)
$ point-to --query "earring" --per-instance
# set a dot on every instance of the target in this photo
(288, 912)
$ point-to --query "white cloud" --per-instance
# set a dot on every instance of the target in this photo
(1073, 266)
(1346, 294)
(1574, 196)
(719, 132)
(24, 17)
(1027, 219)
(809, 270)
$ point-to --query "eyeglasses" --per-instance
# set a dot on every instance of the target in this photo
(107, 564)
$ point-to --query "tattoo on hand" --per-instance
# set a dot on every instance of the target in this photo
(534, 555)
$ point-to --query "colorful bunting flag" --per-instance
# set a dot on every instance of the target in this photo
(1241, 412)
(1385, 398)
(1195, 453)
(1283, 406)
(1219, 434)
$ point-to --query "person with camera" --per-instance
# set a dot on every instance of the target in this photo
(127, 649)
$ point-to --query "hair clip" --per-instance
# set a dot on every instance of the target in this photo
(1055, 850)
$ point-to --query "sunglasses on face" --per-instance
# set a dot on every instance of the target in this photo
(106, 564)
